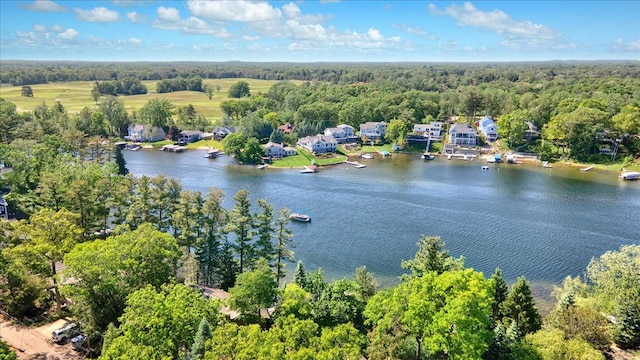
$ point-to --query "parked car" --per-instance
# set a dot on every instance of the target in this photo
(77, 343)
(64, 333)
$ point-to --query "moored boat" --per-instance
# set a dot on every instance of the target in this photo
(630, 175)
(485, 168)
(212, 154)
(300, 217)
(546, 164)
(262, 166)
(309, 170)
(586, 168)
(428, 156)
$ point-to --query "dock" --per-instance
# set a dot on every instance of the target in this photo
(173, 148)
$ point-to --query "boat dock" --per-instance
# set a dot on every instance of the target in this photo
(173, 148)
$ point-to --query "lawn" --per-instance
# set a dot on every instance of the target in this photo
(305, 158)
(76, 95)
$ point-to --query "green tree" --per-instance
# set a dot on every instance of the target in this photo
(431, 256)
(208, 89)
(627, 332)
(253, 152)
(397, 129)
(300, 275)
(6, 353)
(254, 290)
(339, 303)
(500, 293)
(160, 321)
(48, 236)
(107, 271)
(9, 123)
(294, 301)
(208, 248)
(27, 91)
(367, 283)
(234, 145)
(552, 344)
(446, 313)
(157, 112)
(203, 334)
(239, 90)
(122, 164)
(115, 114)
(284, 240)
(511, 127)
(241, 224)
(520, 308)
(265, 230)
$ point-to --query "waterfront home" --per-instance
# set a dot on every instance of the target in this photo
(319, 143)
(462, 134)
(4, 208)
(343, 133)
(373, 130)
(488, 128)
(278, 151)
(435, 130)
(189, 136)
(421, 129)
(532, 132)
(221, 132)
(145, 133)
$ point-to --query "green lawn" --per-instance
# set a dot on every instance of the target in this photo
(305, 158)
(76, 95)
(208, 143)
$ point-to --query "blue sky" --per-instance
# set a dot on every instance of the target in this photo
(329, 30)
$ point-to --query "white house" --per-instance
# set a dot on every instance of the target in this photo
(435, 130)
(145, 133)
(319, 143)
(4, 209)
(462, 134)
(488, 128)
(278, 151)
(373, 130)
(421, 129)
(342, 133)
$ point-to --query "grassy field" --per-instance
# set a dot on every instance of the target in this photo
(76, 95)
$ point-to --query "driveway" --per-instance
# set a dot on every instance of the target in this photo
(32, 341)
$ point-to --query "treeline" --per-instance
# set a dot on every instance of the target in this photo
(420, 76)
(192, 83)
(126, 86)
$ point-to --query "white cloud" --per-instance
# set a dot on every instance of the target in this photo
(516, 34)
(98, 14)
(134, 17)
(415, 30)
(68, 35)
(250, 37)
(57, 28)
(170, 19)
(629, 46)
(44, 6)
(238, 10)
(134, 41)
(38, 28)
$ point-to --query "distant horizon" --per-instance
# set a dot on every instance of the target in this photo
(319, 31)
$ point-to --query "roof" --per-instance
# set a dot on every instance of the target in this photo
(3, 201)
(462, 128)
(371, 125)
(421, 127)
(314, 139)
(345, 126)
(191, 132)
(272, 144)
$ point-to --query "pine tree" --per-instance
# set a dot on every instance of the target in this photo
(264, 228)
(284, 238)
(122, 164)
(628, 335)
(300, 276)
(500, 292)
(519, 307)
(203, 334)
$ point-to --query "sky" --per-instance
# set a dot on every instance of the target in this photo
(319, 31)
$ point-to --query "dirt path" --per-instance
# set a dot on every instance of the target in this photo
(31, 341)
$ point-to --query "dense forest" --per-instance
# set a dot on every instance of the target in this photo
(138, 250)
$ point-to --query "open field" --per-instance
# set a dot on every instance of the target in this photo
(76, 95)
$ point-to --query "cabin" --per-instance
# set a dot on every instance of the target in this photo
(145, 133)
(278, 151)
(319, 144)
(373, 130)
(532, 132)
(462, 134)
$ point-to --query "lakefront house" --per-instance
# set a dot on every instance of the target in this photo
(145, 133)
(343, 133)
(319, 144)
(488, 128)
(278, 151)
(462, 134)
(373, 130)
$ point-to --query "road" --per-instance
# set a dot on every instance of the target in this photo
(32, 341)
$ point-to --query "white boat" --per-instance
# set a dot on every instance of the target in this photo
(485, 168)
(428, 156)
(449, 157)
(212, 154)
(630, 175)
(309, 170)
(262, 166)
(360, 166)
(367, 156)
(300, 217)
(546, 164)
(173, 148)
(587, 168)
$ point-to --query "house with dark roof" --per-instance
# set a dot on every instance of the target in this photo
(189, 136)
(462, 134)
(286, 128)
(342, 133)
(221, 132)
(319, 143)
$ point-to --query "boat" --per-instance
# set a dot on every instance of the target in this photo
(212, 154)
(427, 156)
(384, 153)
(300, 217)
(546, 164)
(587, 168)
(497, 158)
(449, 157)
(262, 166)
(309, 170)
(491, 160)
(367, 156)
(630, 175)
(485, 168)
(360, 166)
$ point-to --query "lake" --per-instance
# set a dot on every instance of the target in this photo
(528, 220)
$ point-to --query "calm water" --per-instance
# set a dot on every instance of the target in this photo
(527, 220)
